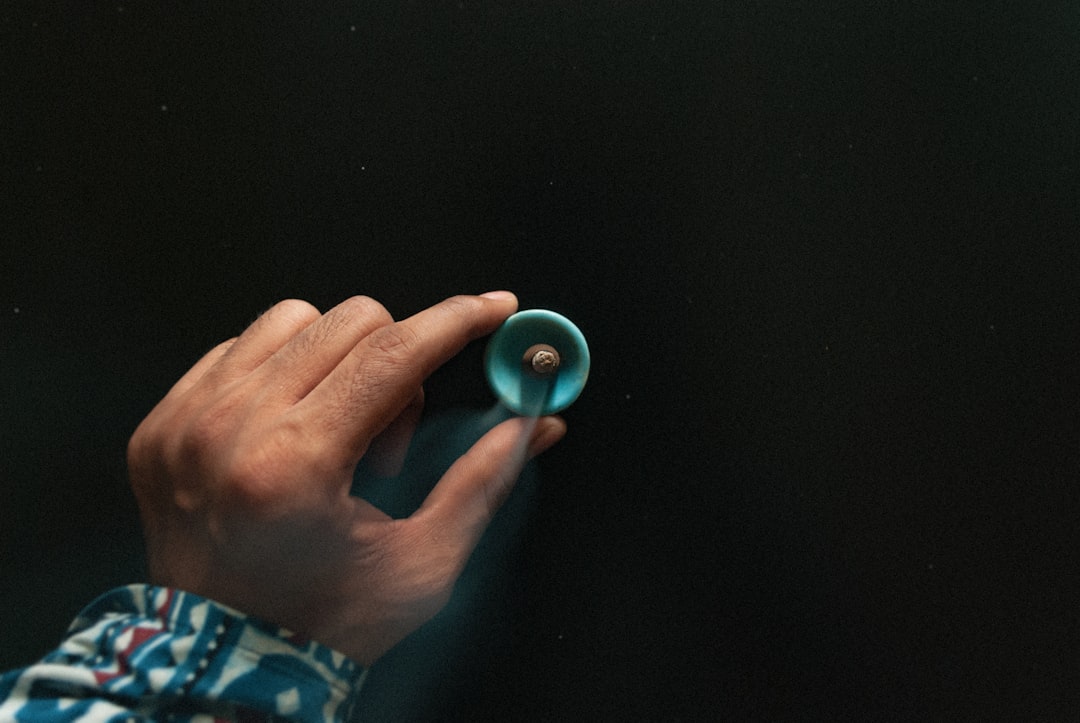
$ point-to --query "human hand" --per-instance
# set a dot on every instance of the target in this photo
(242, 472)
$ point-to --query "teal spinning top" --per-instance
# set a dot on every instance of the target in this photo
(537, 362)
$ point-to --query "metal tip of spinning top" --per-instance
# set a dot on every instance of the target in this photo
(541, 359)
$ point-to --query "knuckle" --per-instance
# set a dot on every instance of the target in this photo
(139, 452)
(466, 307)
(205, 433)
(351, 316)
(367, 308)
(248, 482)
(292, 312)
(395, 341)
(205, 430)
(256, 473)
(136, 446)
(223, 346)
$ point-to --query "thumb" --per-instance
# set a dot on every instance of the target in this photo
(470, 493)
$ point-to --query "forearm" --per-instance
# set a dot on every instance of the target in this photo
(162, 654)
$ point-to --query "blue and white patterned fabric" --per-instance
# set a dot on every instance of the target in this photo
(144, 653)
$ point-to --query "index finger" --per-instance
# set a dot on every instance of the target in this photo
(377, 379)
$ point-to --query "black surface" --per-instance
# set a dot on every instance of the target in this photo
(825, 255)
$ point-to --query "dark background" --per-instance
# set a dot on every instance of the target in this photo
(825, 255)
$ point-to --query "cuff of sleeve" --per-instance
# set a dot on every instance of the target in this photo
(221, 659)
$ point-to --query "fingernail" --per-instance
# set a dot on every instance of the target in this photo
(498, 295)
(548, 431)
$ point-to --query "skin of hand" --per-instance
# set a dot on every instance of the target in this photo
(242, 472)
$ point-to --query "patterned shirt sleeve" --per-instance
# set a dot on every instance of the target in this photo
(145, 653)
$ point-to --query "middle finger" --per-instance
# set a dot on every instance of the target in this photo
(301, 364)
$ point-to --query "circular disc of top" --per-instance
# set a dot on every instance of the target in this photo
(517, 386)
